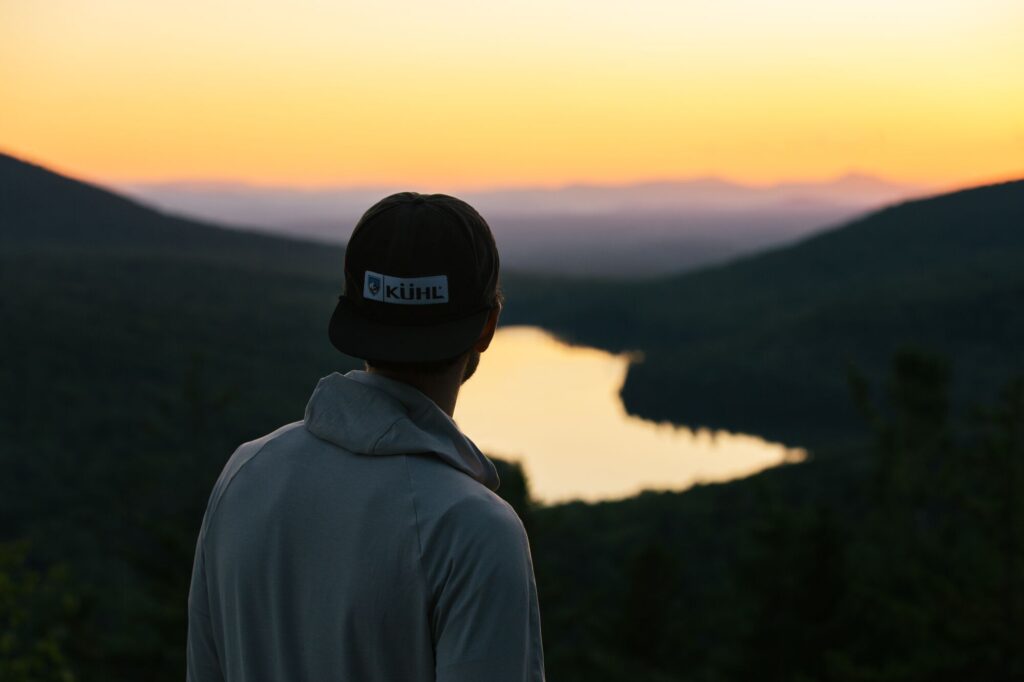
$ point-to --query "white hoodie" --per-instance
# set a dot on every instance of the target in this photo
(363, 543)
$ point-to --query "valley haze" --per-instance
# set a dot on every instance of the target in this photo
(640, 229)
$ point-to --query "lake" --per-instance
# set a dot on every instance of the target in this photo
(555, 409)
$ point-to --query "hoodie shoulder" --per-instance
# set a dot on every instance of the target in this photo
(244, 454)
(451, 505)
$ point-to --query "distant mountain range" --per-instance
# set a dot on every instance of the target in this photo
(639, 229)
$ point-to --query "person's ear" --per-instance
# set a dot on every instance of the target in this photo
(488, 333)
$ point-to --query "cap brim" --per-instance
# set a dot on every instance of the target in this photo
(354, 335)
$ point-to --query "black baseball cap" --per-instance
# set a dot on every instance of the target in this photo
(421, 278)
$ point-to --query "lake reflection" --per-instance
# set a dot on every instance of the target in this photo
(556, 409)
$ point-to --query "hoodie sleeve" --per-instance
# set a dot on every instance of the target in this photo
(486, 618)
(201, 653)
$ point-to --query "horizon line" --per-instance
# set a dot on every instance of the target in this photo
(513, 187)
(910, 184)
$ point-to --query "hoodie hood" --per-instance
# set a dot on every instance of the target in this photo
(372, 415)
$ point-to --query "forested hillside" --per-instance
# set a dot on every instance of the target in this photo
(762, 345)
(138, 351)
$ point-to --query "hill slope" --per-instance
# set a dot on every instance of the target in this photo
(43, 211)
(110, 306)
(762, 344)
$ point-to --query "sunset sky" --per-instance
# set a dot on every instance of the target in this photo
(460, 94)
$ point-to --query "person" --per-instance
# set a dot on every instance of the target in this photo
(365, 542)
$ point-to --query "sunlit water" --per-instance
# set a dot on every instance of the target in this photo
(555, 409)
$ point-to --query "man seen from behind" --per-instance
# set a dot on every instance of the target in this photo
(365, 542)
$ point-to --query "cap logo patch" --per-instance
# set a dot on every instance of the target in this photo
(405, 290)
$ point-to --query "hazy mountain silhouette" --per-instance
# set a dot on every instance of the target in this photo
(618, 230)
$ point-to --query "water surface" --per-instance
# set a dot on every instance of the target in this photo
(555, 408)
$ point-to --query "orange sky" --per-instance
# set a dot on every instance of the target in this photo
(459, 93)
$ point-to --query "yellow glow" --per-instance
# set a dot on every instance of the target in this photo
(556, 409)
(467, 94)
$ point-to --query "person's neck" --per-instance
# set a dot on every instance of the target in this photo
(442, 388)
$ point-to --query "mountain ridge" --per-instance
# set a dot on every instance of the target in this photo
(652, 227)
(755, 343)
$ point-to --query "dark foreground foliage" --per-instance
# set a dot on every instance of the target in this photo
(901, 559)
(897, 560)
